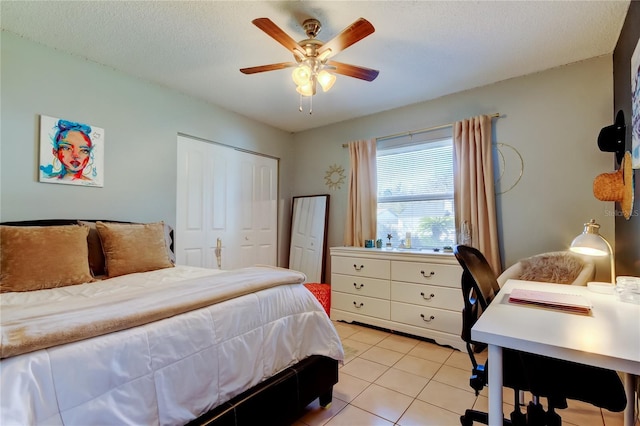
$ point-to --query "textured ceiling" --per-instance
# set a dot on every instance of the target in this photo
(423, 49)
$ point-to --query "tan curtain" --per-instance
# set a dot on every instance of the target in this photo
(474, 190)
(363, 198)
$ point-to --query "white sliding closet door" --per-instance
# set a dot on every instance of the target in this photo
(227, 194)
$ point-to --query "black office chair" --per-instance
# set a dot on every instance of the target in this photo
(479, 288)
(547, 377)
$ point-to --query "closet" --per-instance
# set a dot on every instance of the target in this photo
(226, 203)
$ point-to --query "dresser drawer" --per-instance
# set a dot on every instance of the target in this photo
(426, 273)
(360, 305)
(427, 295)
(375, 268)
(362, 286)
(426, 317)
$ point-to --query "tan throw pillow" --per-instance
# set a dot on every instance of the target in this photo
(41, 257)
(130, 248)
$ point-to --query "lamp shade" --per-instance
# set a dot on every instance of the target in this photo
(301, 75)
(591, 243)
(326, 80)
(306, 89)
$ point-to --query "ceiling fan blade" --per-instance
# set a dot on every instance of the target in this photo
(270, 67)
(350, 35)
(362, 73)
(274, 31)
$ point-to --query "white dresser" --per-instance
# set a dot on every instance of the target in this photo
(408, 291)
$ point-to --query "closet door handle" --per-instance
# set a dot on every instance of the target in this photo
(425, 319)
(358, 287)
(358, 268)
(431, 274)
(358, 306)
(431, 296)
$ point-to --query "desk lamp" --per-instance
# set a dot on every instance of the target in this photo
(591, 243)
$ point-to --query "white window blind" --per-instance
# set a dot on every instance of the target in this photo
(415, 193)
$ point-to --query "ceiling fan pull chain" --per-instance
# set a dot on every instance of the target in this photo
(310, 104)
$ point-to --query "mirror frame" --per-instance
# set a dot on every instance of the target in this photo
(325, 221)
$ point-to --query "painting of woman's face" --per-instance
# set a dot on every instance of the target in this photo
(78, 152)
(74, 152)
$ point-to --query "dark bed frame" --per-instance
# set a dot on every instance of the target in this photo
(279, 400)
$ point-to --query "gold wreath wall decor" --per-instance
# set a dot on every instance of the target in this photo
(334, 177)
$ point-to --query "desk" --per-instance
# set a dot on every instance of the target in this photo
(609, 338)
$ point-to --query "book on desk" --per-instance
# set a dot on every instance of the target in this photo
(559, 301)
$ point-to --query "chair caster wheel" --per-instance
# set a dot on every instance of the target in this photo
(536, 415)
(466, 420)
(518, 418)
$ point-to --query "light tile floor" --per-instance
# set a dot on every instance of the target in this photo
(388, 379)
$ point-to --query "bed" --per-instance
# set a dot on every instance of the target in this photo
(144, 341)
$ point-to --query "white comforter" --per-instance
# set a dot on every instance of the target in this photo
(165, 372)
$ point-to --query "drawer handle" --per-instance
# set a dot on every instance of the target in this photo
(356, 267)
(431, 274)
(358, 287)
(358, 306)
(431, 296)
(424, 319)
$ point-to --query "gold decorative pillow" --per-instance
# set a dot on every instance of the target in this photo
(130, 248)
(41, 257)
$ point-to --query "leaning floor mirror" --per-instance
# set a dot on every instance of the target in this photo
(309, 220)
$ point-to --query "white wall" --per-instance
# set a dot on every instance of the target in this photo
(552, 118)
(141, 122)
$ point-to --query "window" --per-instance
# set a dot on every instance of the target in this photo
(415, 192)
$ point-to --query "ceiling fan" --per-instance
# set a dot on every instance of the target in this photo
(312, 56)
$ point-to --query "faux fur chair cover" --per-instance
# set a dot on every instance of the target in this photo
(562, 267)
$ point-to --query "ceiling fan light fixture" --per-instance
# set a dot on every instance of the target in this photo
(312, 65)
(326, 80)
(306, 89)
(302, 75)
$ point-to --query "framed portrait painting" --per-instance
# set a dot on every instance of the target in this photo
(71, 153)
(635, 107)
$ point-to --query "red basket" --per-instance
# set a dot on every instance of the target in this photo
(322, 292)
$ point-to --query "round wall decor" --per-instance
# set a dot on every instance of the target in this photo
(334, 177)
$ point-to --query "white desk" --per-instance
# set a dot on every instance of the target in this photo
(609, 338)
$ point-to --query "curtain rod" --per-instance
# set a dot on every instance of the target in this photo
(415, 132)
